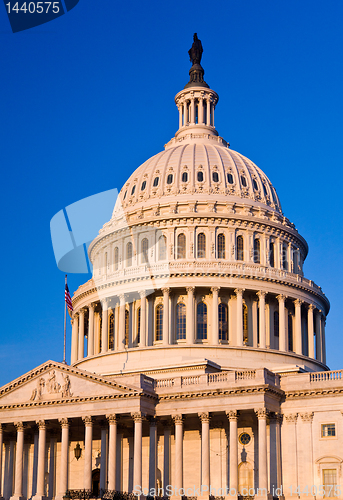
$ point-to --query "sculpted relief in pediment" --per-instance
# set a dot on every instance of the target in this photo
(51, 386)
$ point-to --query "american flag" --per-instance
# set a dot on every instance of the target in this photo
(68, 299)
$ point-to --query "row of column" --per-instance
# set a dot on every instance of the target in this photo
(315, 324)
(62, 476)
(188, 115)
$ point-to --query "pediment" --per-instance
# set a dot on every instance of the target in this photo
(53, 381)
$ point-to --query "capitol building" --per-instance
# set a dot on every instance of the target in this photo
(198, 363)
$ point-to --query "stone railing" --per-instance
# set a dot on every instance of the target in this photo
(326, 376)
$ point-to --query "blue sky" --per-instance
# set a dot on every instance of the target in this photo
(89, 97)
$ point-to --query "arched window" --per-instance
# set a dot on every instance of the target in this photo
(133, 190)
(223, 322)
(170, 178)
(240, 248)
(264, 189)
(215, 176)
(255, 186)
(276, 323)
(156, 181)
(184, 177)
(221, 246)
(159, 323)
(162, 248)
(116, 258)
(138, 337)
(127, 321)
(180, 322)
(257, 251)
(201, 253)
(243, 181)
(181, 246)
(201, 321)
(111, 332)
(200, 176)
(129, 254)
(290, 332)
(272, 254)
(296, 261)
(125, 195)
(284, 257)
(143, 186)
(245, 324)
(145, 250)
(230, 178)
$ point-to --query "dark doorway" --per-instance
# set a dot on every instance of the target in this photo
(96, 483)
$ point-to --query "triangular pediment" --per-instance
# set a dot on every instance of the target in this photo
(54, 381)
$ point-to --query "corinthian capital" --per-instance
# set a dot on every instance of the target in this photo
(204, 417)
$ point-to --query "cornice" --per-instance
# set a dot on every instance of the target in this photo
(310, 393)
(260, 389)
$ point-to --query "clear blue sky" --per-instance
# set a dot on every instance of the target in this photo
(88, 97)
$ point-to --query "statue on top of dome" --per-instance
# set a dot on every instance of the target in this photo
(195, 52)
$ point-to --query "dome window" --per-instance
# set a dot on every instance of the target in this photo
(200, 176)
(170, 178)
(230, 178)
(215, 177)
(243, 181)
(156, 181)
(125, 195)
(264, 189)
(254, 183)
(143, 186)
(133, 190)
(184, 177)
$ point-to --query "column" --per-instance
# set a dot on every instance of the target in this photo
(215, 323)
(290, 453)
(137, 457)
(112, 451)
(208, 112)
(192, 111)
(104, 326)
(278, 450)
(310, 330)
(91, 330)
(81, 349)
(52, 461)
(121, 345)
(282, 324)
(201, 111)
(166, 453)
(40, 493)
(143, 341)
(165, 315)
(323, 340)
(232, 415)
(180, 115)
(18, 482)
(262, 306)
(298, 337)
(178, 453)
(63, 476)
(87, 483)
(239, 314)
(185, 114)
(262, 451)
(318, 330)
(205, 449)
(74, 338)
(190, 315)
(103, 456)
(152, 453)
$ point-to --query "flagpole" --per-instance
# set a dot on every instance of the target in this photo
(65, 327)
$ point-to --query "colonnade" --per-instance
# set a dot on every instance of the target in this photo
(196, 110)
(134, 322)
(173, 473)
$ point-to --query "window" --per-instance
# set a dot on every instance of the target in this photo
(215, 177)
(138, 325)
(181, 246)
(111, 332)
(271, 254)
(116, 258)
(156, 181)
(329, 482)
(200, 176)
(201, 254)
(230, 178)
(201, 321)
(143, 186)
(125, 195)
(184, 177)
(133, 190)
(159, 323)
(264, 188)
(290, 332)
(328, 430)
(221, 246)
(129, 254)
(240, 248)
(244, 438)
(223, 321)
(276, 323)
(127, 321)
(284, 257)
(243, 181)
(180, 322)
(255, 186)
(274, 196)
(145, 251)
(162, 248)
(170, 179)
(257, 251)
(245, 324)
